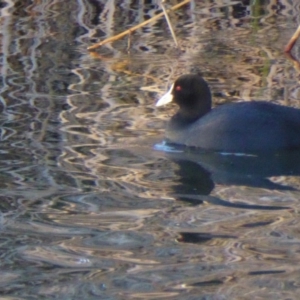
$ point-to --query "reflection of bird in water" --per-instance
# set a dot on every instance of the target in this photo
(199, 172)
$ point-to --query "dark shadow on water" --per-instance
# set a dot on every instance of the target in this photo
(201, 237)
(198, 173)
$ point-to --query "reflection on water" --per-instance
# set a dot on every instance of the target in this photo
(91, 207)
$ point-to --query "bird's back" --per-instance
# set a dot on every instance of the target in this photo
(242, 127)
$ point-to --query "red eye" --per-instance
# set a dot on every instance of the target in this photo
(178, 88)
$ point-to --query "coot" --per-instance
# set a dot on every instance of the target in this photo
(245, 127)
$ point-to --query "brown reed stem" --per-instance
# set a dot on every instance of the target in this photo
(120, 35)
(293, 40)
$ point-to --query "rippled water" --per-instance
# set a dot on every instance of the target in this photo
(93, 204)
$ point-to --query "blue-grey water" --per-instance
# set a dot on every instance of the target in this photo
(93, 204)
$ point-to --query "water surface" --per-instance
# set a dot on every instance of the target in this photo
(93, 206)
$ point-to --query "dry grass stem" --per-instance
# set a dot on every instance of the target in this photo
(293, 40)
(169, 23)
(129, 31)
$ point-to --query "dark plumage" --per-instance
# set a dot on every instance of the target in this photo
(237, 127)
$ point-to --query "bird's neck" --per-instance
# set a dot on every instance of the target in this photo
(184, 118)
